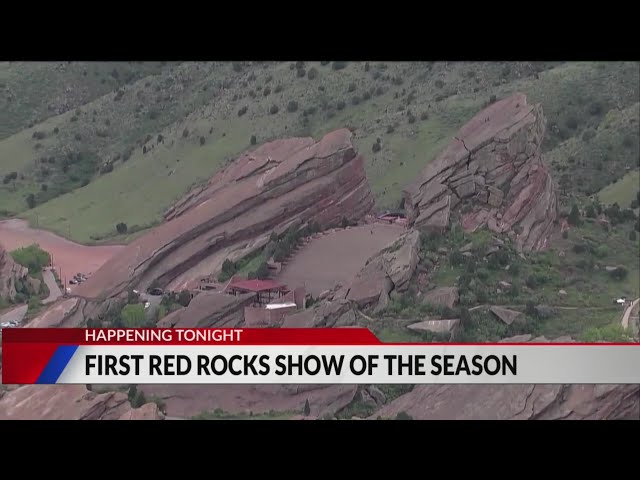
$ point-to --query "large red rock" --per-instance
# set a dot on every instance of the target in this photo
(494, 165)
(10, 272)
(518, 402)
(277, 185)
(70, 402)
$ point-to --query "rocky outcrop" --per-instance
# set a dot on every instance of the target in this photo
(494, 166)
(388, 271)
(518, 402)
(326, 314)
(185, 401)
(70, 402)
(278, 185)
(10, 273)
(505, 315)
(210, 310)
(442, 296)
(435, 326)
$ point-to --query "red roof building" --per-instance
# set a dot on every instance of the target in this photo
(265, 290)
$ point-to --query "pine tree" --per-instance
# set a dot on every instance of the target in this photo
(307, 408)
(574, 216)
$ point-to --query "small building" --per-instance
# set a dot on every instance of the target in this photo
(266, 291)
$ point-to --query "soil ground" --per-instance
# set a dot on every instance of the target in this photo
(68, 257)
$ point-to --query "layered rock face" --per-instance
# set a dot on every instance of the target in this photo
(70, 402)
(10, 271)
(494, 165)
(271, 188)
(518, 402)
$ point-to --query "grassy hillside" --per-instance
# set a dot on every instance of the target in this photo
(623, 192)
(126, 155)
(34, 91)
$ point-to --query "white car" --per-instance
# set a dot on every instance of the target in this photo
(146, 305)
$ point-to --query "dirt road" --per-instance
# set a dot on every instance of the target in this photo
(54, 290)
(627, 313)
(15, 315)
(68, 257)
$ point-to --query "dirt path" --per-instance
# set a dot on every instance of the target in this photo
(68, 257)
(15, 315)
(627, 313)
(337, 256)
(52, 285)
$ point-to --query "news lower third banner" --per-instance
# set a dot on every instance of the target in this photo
(297, 356)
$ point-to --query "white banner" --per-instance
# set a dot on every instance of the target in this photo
(371, 364)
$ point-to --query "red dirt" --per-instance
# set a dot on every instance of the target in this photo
(336, 257)
(68, 257)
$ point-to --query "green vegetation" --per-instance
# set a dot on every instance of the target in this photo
(280, 248)
(126, 140)
(365, 408)
(623, 192)
(567, 290)
(133, 316)
(32, 257)
(219, 414)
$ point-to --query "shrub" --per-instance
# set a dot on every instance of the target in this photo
(403, 416)
(588, 135)
(278, 88)
(633, 236)
(492, 99)
(273, 109)
(267, 91)
(300, 72)
(242, 111)
(339, 65)
(31, 200)
(185, 133)
(355, 100)
(595, 108)
(376, 147)
(262, 273)
(351, 88)
(390, 129)
(292, 106)
(312, 74)
(184, 298)
(121, 228)
(38, 135)
(32, 258)
(620, 273)
(439, 83)
(571, 123)
(253, 140)
(590, 212)
(565, 234)
(574, 216)
(411, 119)
(202, 140)
(56, 130)
(340, 105)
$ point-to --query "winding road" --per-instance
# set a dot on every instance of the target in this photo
(52, 285)
(627, 313)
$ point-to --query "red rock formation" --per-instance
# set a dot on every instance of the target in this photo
(268, 189)
(10, 271)
(493, 164)
(70, 402)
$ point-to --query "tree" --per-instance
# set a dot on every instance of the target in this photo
(591, 211)
(253, 140)
(530, 309)
(31, 200)
(403, 416)
(121, 228)
(262, 273)
(574, 216)
(132, 297)
(620, 273)
(307, 408)
(632, 235)
(565, 183)
(202, 140)
(184, 298)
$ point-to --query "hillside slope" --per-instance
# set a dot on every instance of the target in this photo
(129, 154)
